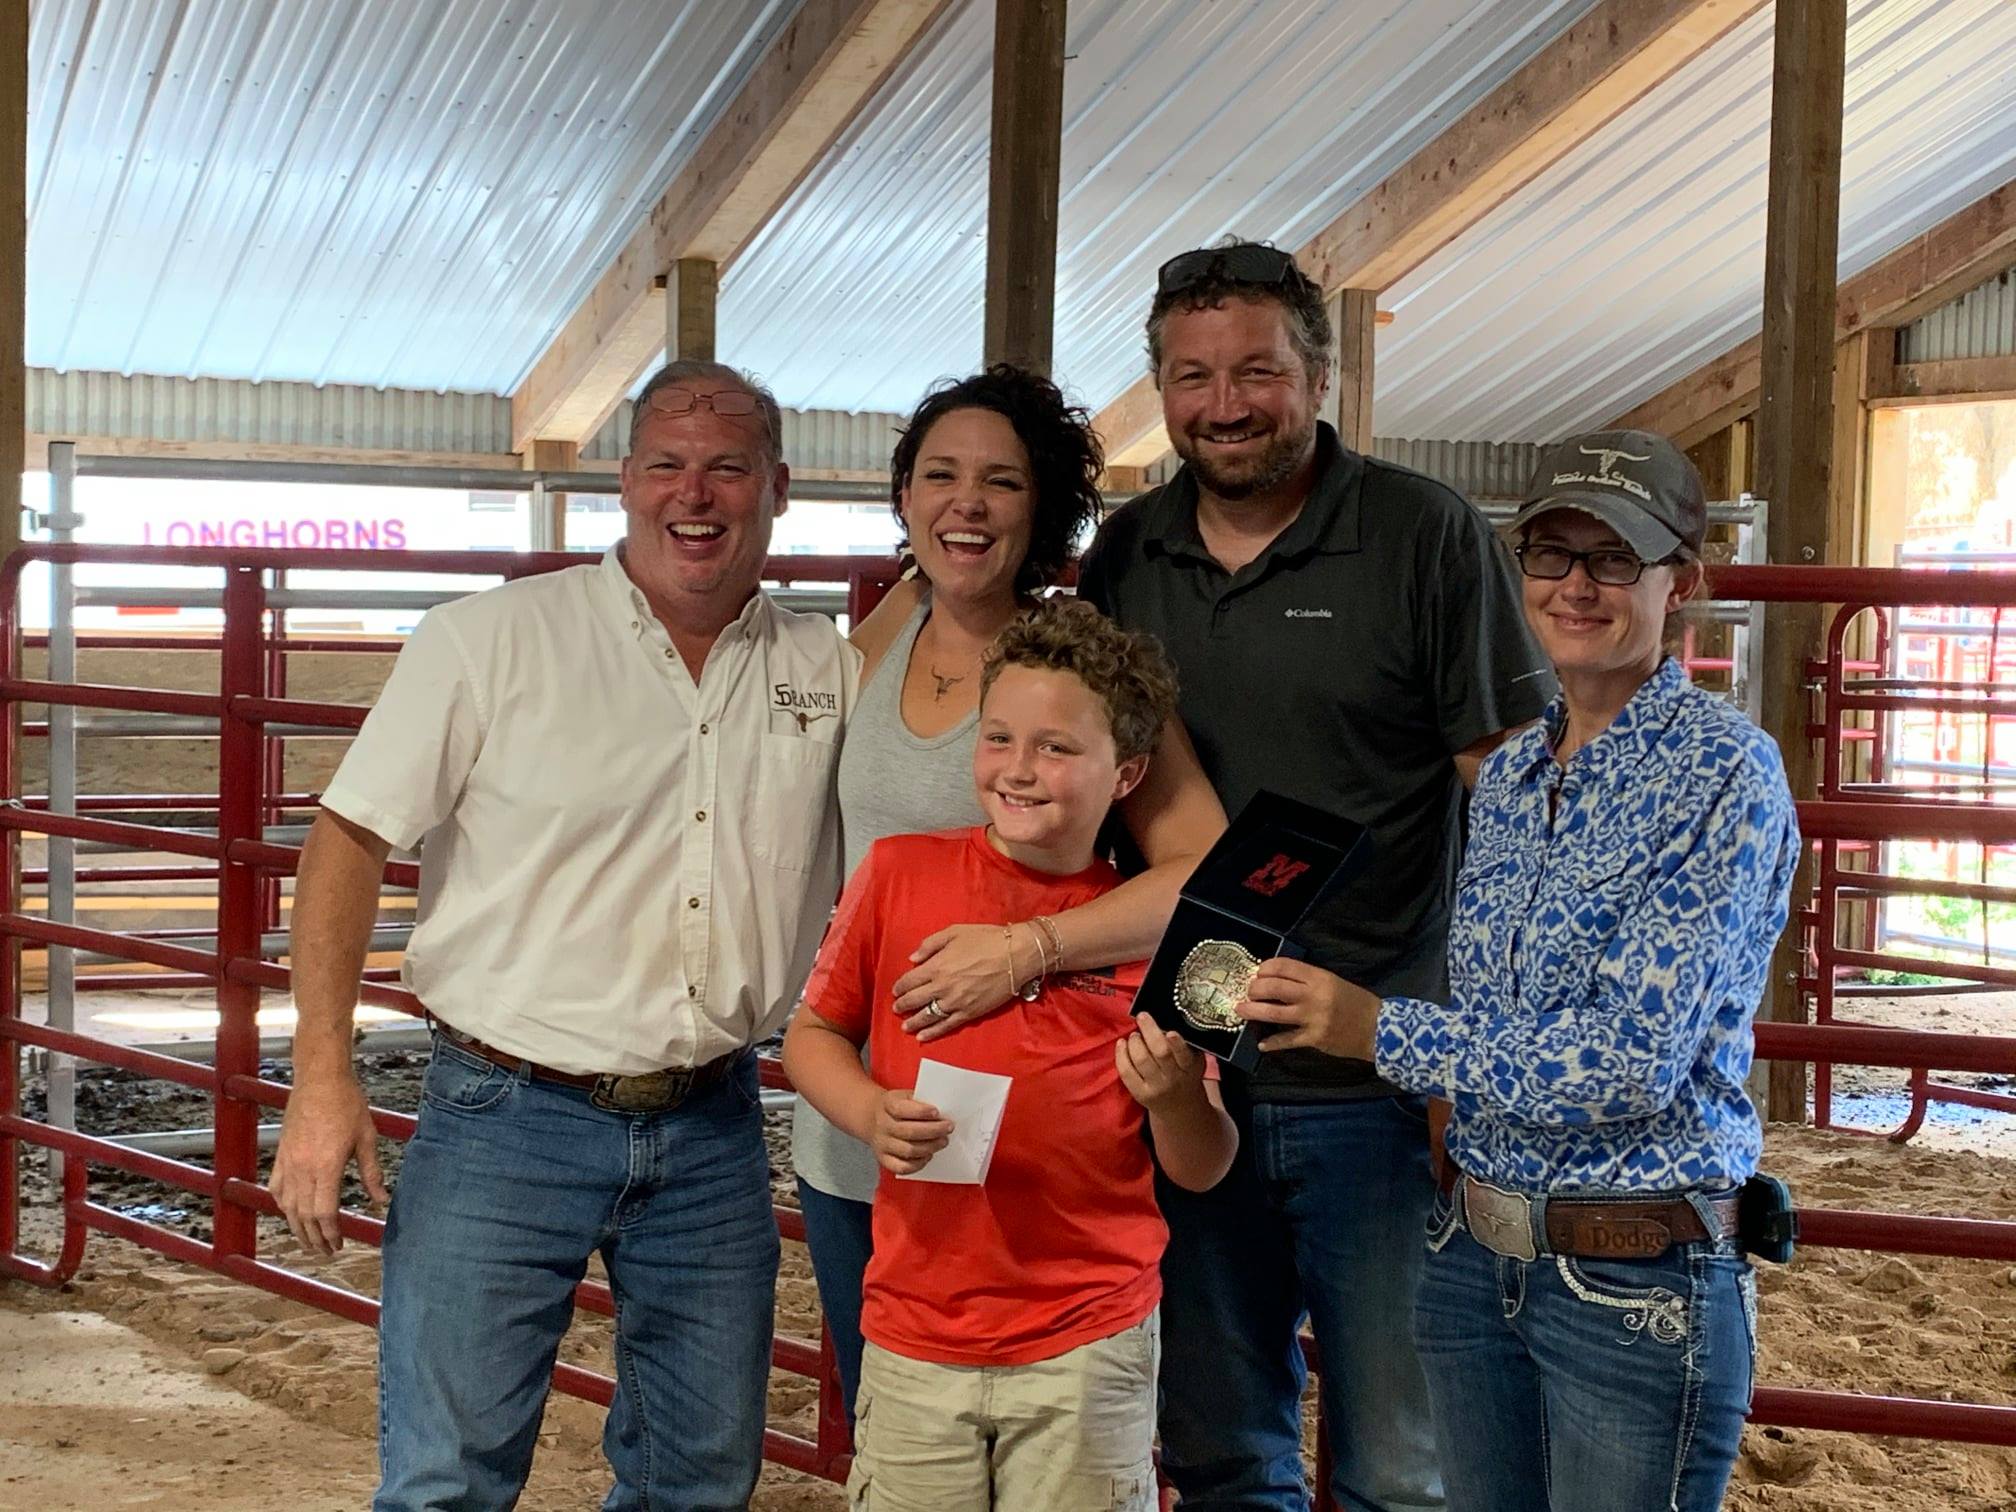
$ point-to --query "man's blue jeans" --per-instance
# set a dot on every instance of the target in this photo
(1586, 1385)
(507, 1187)
(1323, 1214)
(840, 1233)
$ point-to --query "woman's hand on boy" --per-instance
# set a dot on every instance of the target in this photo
(961, 973)
(1157, 1067)
(907, 1132)
(1315, 1009)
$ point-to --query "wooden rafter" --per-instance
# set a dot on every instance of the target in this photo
(1599, 66)
(1967, 248)
(808, 85)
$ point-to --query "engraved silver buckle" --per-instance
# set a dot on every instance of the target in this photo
(652, 1092)
(1499, 1220)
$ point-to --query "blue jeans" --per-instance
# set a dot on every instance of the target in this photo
(840, 1233)
(1585, 1385)
(1321, 1215)
(507, 1187)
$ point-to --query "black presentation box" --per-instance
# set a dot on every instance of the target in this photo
(1272, 865)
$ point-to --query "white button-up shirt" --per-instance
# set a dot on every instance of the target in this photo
(620, 870)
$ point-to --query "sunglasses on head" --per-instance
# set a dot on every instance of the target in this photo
(679, 401)
(1247, 263)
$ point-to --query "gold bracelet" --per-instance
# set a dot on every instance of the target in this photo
(1034, 987)
(1049, 926)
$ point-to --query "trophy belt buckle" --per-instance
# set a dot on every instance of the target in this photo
(651, 1092)
(1499, 1220)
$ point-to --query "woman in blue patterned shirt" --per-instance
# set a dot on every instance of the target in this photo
(1587, 1317)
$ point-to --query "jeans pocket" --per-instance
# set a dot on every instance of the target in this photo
(1441, 1221)
(745, 1085)
(463, 1083)
(1634, 1292)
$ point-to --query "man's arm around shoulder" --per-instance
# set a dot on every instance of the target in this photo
(328, 1120)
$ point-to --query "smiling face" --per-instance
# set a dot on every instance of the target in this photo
(1045, 767)
(701, 494)
(969, 504)
(1239, 401)
(1600, 629)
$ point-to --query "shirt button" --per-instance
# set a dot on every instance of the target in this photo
(692, 990)
(692, 902)
(700, 815)
(669, 653)
(636, 625)
(703, 729)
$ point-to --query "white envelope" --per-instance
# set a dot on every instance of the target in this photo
(974, 1101)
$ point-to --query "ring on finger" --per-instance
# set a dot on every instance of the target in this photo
(936, 1011)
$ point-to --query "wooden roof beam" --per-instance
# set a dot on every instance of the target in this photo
(1966, 249)
(1575, 85)
(807, 87)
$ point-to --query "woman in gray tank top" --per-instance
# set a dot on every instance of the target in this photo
(993, 480)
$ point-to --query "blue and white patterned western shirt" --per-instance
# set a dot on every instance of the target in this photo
(1605, 965)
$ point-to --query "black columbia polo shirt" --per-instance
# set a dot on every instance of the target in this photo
(1380, 633)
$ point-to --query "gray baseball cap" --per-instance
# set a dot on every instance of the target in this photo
(1639, 484)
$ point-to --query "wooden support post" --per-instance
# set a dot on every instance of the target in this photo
(690, 291)
(1353, 314)
(1022, 181)
(552, 456)
(13, 267)
(1795, 421)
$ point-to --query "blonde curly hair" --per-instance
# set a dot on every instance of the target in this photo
(1128, 671)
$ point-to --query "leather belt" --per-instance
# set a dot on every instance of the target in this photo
(1503, 1222)
(650, 1092)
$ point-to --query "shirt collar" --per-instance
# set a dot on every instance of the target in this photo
(1328, 522)
(632, 609)
(1613, 755)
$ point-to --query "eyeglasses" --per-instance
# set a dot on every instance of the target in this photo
(1247, 263)
(725, 402)
(1612, 568)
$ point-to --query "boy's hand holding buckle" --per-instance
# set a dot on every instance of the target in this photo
(1161, 1071)
(1317, 1009)
(907, 1132)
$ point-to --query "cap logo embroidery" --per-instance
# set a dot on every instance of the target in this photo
(1607, 459)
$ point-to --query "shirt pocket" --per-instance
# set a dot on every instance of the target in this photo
(791, 801)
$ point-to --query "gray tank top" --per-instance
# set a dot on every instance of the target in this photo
(891, 783)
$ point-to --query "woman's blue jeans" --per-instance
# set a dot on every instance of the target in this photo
(1566, 1385)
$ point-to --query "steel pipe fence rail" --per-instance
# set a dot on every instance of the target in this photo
(247, 705)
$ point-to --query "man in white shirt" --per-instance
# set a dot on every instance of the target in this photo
(622, 775)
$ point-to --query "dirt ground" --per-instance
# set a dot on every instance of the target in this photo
(132, 1386)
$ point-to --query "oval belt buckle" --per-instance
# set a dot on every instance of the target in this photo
(652, 1092)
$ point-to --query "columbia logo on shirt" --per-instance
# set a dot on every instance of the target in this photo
(1308, 614)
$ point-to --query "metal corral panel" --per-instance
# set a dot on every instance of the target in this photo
(827, 440)
(1477, 469)
(283, 414)
(1182, 122)
(377, 192)
(1640, 256)
(1980, 323)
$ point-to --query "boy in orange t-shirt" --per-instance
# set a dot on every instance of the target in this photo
(1011, 1326)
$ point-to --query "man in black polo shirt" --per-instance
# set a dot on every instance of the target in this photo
(1347, 633)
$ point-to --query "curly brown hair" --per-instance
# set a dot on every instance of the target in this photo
(1127, 670)
(1064, 455)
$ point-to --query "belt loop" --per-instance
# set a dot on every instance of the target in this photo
(1536, 1221)
(1711, 1222)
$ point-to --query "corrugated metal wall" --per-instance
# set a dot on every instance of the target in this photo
(286, 414)
(828, 440)
(1477, 469)
(368, 419)
(1980, 323)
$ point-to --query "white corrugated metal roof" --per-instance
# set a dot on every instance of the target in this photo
(1182, 121)
(351, 191)
(1640, 255)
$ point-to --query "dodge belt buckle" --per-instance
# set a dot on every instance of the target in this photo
(653, 1092)
(1501, 1221)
